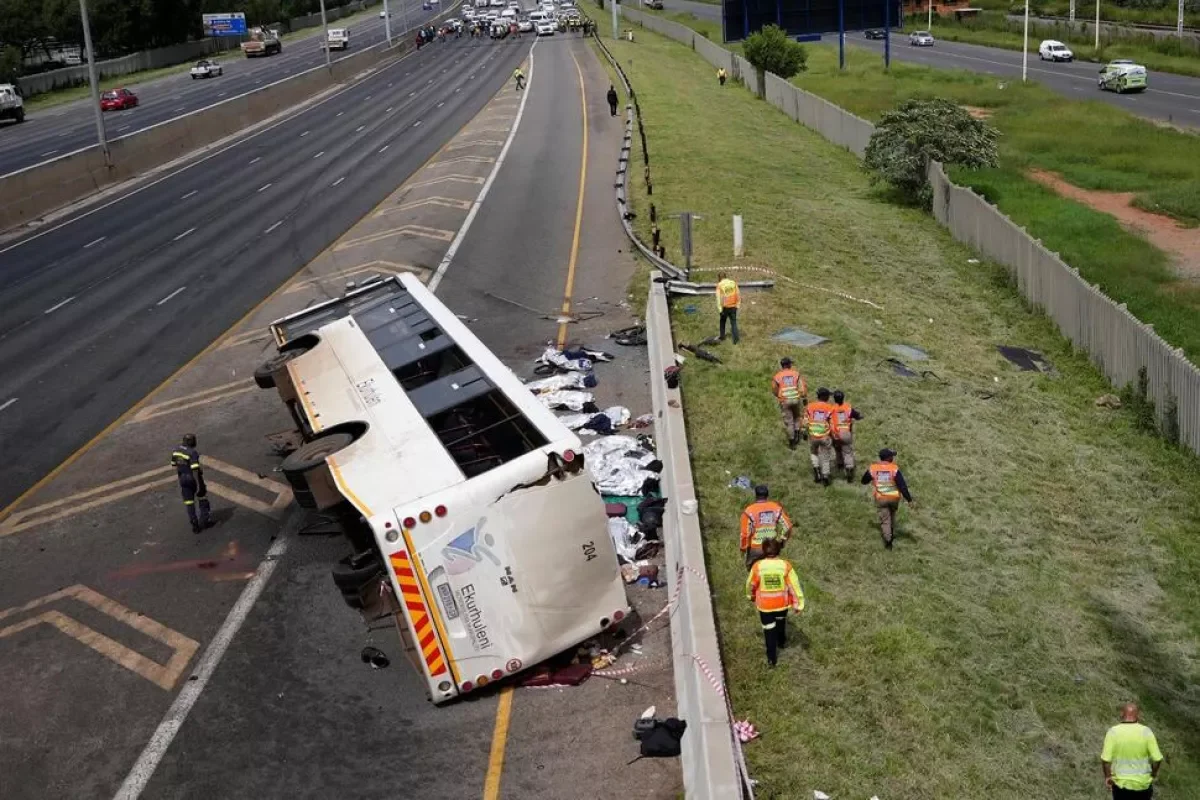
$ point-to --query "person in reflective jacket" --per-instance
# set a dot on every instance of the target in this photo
(775, 589)
(888, 486)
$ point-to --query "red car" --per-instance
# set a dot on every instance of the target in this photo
(117, 100)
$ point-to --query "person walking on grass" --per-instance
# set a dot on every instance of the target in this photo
(721, 75)
(820, 422)
(791, 391)
(774, 588)
(843, 433)
(612, 100)
(1130, 758)
(761, 520)
(728, 302)
(888, 486)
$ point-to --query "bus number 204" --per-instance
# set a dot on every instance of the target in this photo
(589, 550)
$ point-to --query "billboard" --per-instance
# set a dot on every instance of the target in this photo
(740, 18)
(233, 24)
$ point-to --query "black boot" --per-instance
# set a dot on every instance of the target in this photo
(816, 475)
(849, 475)
(887, 542)
(196, 527)
(792, 442)
(826, 480)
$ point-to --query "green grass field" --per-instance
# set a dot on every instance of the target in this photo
(1162, 14)
(1053, 568)
(1093, 145)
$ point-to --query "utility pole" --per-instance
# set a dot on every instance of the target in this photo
(1097, 26)
(1025, 46)
(841, 34)
(387, 22)
(1179, 21)
(101, 139)
(1072, 11)
(616, 25)
(325, 43)
(887, 33)
(929, 22)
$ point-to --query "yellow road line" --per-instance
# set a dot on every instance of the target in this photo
(570, 290)
(491, 784)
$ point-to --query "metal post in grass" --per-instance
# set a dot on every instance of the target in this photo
(887, 34)
(1025, 47)
(101, 138)
(616, 25)
(325, 33)
(1179, 21)
(1071, 12)
(387, 23)
(841, 34)
(1097, 26)
(929, 21)
(685, 238)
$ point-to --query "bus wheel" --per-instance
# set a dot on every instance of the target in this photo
(264, 376)
(354, 575)
(308, 474)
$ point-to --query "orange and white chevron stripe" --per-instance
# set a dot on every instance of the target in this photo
(422, 624)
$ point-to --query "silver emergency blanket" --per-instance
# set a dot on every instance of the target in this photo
(625, 537)
(555, 383)
(617, 416)
(616, 464)
(552, 356)
(566, 400)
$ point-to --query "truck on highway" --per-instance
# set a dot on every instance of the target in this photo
(263, 42)
(12, 106)
(337, 39)
(473, 520)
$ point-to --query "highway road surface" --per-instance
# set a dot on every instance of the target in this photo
(1170, 98)
(57, 130)
(101, 307)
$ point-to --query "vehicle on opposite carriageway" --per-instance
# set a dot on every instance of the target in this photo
(206, 68)
(12, 105)
(262, 42)
(473, 518)
(118, 99)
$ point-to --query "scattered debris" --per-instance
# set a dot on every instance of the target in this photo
(972, 260)
(700, 353)
(552, 358)
(630, 337)
(660, 738)
(900, 368)
(544, 676)
(799, 337)
(604, 422)
(741, 482)
(619, 464)
(1026, 360)
(567, 380)
(375, 657)
(625, 538)
(909, 352)
(671, 375)
(745, 730)
(568, 400)
(1109, 401)
(644, 421)
(690, 308)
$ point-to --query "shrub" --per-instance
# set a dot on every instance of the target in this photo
(770, 50)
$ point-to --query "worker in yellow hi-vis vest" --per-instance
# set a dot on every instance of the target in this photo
(728, 301)
(774, 588)
(1131, 757)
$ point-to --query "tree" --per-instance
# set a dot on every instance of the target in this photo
(906, 138)
(770, 50)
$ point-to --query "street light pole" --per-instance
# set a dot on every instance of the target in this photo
(325, 33)
(841, 34)
(616, 25)
(1072, 11)
(887, 34)
(1025, 47)
(929, 22)
(1179, 21)
(1097, 25)
(101, 139)
(387, 23)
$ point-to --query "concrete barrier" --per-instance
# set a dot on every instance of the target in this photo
(30, 193)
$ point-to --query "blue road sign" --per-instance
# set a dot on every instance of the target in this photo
(224, 24)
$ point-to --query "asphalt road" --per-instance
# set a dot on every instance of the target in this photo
(1171, 98)
(102, 307)
(57, 130)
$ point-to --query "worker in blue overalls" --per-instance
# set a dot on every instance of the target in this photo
(186, 460)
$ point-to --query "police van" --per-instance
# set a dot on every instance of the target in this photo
(466, 500)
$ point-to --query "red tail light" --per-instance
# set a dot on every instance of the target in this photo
(468, 686)
(440, 511)
(409, 522)
(497, 674)
(568, 456)
(618, 616)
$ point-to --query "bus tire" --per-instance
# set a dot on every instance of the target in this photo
(353, 573)
(313, 454)
(264, 375)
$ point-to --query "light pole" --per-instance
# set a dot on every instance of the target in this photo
(616, 25)
(91, 61)
(1025, 46)
(887, 34)
(387, 23)
(841, 35)
(1179, 21)
(929, 22)
(325, 42)
(1097, 26)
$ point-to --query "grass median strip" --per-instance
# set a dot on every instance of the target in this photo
(1052, 570)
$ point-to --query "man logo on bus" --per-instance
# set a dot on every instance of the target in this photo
(468, 549)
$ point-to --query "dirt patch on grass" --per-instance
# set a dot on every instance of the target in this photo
(978, 113)
(1182, 244)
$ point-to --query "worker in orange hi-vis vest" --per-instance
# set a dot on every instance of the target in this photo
(791, 391)
(888, 486)
(820, 420)
(728, 301)
(843, 433)
(762, 520)
(773, 586)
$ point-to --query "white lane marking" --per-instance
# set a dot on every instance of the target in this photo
(457, 90)
(65, 133)
(47, 153)
(410, 94)
(359, 129)
(192, 193)
(177, 110)
(9, 403)
(304, 134)
(165, 733)
(59, 305)
(389, 85)
(339, 180)
(185, 233)
(256, 159)
(385, 147)
(94, 241)
(470, 77)
(171, 295)
(389, 110)
(487, 185)
(222, 94)
(122, 128)
(415, 124)
(368, 97)
(339, 113)
(318, 155)
(264, 187)
(173, 97)
(439, 105)
(273, 227)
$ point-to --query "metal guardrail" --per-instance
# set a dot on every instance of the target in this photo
(713, 766)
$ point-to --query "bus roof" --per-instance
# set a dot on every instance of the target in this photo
(440, 407)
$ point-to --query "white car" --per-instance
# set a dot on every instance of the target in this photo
(525, 26)
(206, 69)
(1050, 50)
(384, 14)
(546, 27)
(920, 39)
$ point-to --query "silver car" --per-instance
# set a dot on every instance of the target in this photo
(920, 39)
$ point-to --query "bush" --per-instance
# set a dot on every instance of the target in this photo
(919, 130)
(10, 63)
(770, 50)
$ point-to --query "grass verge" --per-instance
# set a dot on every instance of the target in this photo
(1109, 12)
(1092, 144)
(1054, 567)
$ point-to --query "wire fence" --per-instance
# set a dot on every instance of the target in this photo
(1125, 349)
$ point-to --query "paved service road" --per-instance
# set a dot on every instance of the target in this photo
(57, 130)
(102, 307)
(1171, 98)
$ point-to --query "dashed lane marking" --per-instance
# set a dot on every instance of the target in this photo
(164, 676)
